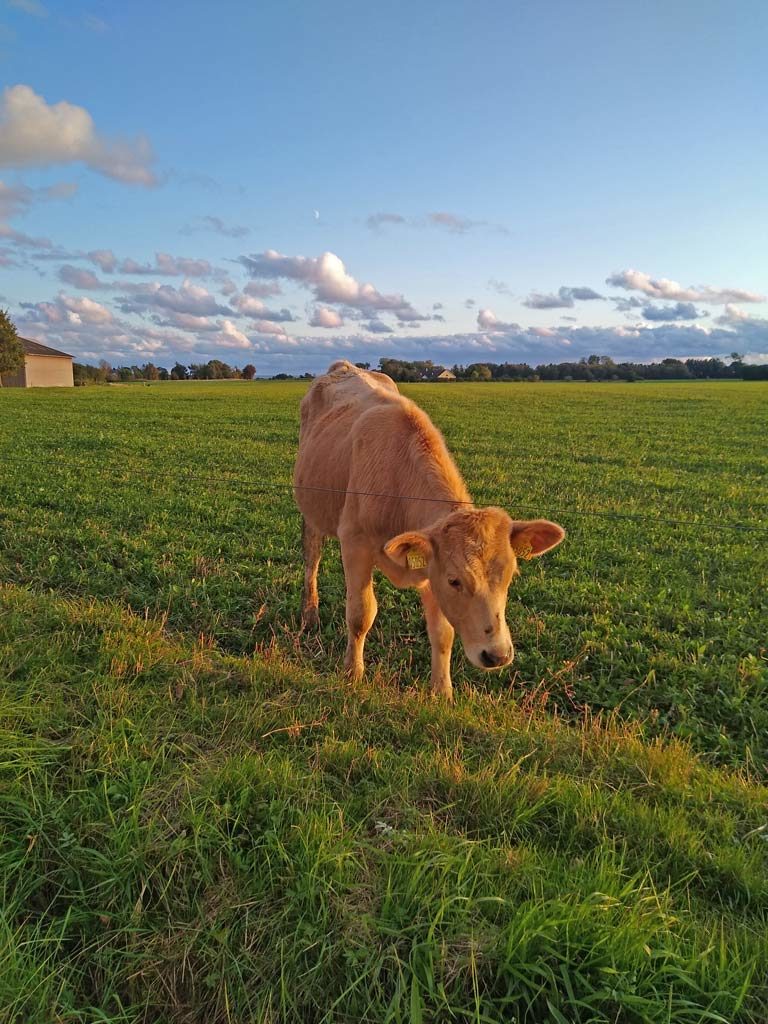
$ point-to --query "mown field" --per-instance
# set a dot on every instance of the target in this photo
(202, 821)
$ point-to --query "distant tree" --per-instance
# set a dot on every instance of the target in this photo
(164, 375)
(249, 371)
(215, 369)
(755, 372)
(150, 372)
(737, 364)
(479, 371)
(363, 366)
(83, 373)
(11, 350)
(105, 372)
(402, 370)
(179, 372)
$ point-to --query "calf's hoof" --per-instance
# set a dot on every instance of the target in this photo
(443, 692)
(354, 670)
(310, 619)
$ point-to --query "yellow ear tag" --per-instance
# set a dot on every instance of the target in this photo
(416, 560)
(523, 549)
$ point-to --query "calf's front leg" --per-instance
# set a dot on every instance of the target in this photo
(441, 636)
(361, 603)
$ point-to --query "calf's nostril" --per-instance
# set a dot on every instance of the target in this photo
(488, 660)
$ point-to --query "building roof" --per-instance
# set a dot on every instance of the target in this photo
(34, 348)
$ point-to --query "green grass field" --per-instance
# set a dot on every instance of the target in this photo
(202, 821)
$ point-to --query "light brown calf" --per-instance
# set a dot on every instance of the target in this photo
(360, 439)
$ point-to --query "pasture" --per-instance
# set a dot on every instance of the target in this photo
(201, 821)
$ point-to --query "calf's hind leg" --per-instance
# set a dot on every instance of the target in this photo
(312, 546)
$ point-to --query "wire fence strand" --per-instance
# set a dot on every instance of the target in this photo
(287, 488)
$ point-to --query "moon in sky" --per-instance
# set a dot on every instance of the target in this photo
(317, 215)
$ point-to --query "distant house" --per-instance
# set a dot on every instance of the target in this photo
(446, 375)
(43, 368)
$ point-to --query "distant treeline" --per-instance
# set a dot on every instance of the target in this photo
(215, 369)
(594, 368)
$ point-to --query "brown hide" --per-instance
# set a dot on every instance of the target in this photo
(374, 471)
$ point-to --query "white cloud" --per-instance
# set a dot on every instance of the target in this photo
(89, 311)
(190, 322)
(166, 265)
(663, 288)
(35, 134)
(231, 337)
(263, 289)
(543, 332)
(733, 315)
(104, 259)
(680, 311)
(488, 321)
(325, 317)
(79, 278)
(270, 327)
(95, 24)
(452, 222)
(376, 220)
(20, 239)
(187, 298)
(247, 305)
(33, 7)
(68, 309)
(499, 286)
(460, 225)
(329, 279)
(255, 308)
(564, 299)
(216, 224)
(16, 199)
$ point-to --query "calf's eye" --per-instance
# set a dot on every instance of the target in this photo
(456, 584)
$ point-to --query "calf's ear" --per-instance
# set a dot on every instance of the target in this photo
(532, 537)
(410, 550)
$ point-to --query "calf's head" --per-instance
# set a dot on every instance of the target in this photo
(470, 557)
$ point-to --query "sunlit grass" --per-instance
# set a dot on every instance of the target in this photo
(202, 822)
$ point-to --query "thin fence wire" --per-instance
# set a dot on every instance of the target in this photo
(287, 488)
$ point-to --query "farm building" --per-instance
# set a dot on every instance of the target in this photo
(446, 375)
(43, 368)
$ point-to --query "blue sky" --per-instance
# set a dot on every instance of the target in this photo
(284, 183)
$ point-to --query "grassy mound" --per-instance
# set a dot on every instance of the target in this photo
(190, 836)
